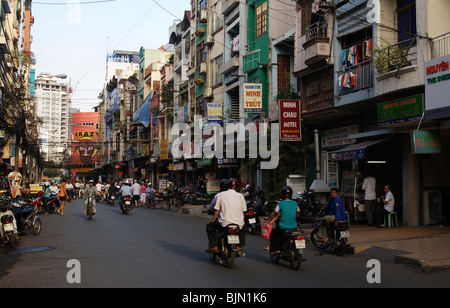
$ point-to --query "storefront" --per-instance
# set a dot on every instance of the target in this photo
(347, 167)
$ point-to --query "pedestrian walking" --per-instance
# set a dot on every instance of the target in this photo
(62, 197)
(136, 189)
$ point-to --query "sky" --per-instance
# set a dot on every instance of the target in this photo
(73, 37)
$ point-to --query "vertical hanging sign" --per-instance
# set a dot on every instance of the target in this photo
(253, 97)
(290, 122)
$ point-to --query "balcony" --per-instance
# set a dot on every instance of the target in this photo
(440, 46)
(317, 44)
(229, 65)
(252, 61)
(355, 78)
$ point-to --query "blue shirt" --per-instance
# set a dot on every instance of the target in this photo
(288, 211)
(336, 207)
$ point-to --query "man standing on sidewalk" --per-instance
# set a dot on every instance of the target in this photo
(370, 198)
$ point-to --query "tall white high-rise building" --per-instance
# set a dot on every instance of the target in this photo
(52, 104)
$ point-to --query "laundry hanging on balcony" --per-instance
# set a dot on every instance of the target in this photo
(357, 54)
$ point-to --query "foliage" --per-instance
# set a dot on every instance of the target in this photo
(389, 58)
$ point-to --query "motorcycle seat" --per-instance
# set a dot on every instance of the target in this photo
(294, 232)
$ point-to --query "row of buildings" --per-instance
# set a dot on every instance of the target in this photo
(371, 77)
(19, 138)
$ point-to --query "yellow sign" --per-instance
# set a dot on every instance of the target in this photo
(164, 149)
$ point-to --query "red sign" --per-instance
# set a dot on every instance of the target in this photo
(290, 129)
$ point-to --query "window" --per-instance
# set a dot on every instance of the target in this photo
(406, 14)
(261, 19)
(284, 72)
(306, 10)
(217, 63)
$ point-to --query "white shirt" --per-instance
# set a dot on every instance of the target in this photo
(369, 188)
(136, 189)
(389, 206)
(232, 207)
(53, 189)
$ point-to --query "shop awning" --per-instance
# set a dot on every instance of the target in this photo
(353, 151)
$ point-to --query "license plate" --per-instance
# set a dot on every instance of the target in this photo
(233, 239)
(127, 202)
(252, 221)
(300, 244)
(345, 234)
(8, 227)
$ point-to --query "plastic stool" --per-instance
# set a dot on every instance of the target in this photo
(348, 217)
(391, 219)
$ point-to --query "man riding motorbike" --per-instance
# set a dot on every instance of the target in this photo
(336, 213)
(125, 191)
(229, 209)
(90, 190)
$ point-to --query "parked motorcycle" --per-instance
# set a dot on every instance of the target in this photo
(26, 217)
(293, 243)
(252, 222)
(262, 204)
(126, 205)
(308, 204)
(8, 225)
(337, 236)
(37, 202)
(53, 203)
(227, 249)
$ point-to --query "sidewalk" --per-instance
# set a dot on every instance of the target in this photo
(422, 247)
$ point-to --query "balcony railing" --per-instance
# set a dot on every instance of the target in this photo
(440, 46)
(355, 78)
(316, 30)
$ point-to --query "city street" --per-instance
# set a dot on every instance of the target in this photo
(158, 249)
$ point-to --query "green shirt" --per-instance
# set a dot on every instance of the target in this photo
(288, 211)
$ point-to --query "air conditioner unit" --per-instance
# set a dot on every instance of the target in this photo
(209, 41)
(208, 93)
(203, 16)
(203, 68)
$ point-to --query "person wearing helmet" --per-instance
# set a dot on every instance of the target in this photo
(287, 211)
(125, 191)
(90, 190)
(229, 209)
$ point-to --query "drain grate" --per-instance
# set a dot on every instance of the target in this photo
(381, 254)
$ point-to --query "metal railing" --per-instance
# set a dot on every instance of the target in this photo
(316, 30)
(440, 46)
(356, 77)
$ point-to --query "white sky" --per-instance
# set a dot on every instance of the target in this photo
(73, 39)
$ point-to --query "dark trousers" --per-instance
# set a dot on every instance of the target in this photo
(213, 227)
(276, 239)
(379, 216)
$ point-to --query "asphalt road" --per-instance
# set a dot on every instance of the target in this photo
(159, 249)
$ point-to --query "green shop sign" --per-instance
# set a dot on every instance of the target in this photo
(426, 142)
(403, 110)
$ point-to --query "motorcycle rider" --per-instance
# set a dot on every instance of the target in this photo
(229, 209)
(224, 184)
(125, 191)
(336, 213)
(287, 210)
(91, 190)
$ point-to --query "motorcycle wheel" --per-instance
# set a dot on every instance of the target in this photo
(316, 242)
(275, 258)
(228, 261)
(340, 249)
(90, 214)
(36, 227)
(295, 260)
(12, 241)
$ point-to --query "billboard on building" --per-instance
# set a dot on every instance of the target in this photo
(85, 142)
